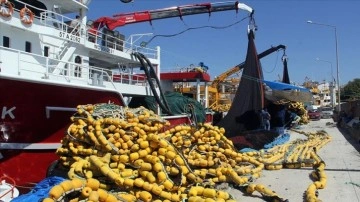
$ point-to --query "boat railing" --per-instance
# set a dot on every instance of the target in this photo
(113, 39)
(98, 75)
(104, 38)
(37, 66)
(57, 21)
(133, 79)
(43, 14)
(191, 68)
(148, 52)
(44, 18)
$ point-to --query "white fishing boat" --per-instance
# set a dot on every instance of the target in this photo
(51, 63)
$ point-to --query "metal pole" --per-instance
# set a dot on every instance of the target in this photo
(337, 59)
(337, 68)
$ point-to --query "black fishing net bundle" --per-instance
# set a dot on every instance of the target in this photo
(249, 98)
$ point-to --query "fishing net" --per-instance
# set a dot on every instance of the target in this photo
(178, 104)
(249, 97)
(286, 78)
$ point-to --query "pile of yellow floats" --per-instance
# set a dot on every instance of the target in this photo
(296, 107)
(115, 153)
(220, 107)
(299, 109)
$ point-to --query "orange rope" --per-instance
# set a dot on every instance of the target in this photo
(12, 188)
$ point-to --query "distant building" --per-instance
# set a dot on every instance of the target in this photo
(326, 94)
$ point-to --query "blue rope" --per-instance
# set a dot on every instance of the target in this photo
(282, 139)
(40, 191)
(244, 150)
(278, 141)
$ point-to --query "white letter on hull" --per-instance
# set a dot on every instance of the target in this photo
(7, 112)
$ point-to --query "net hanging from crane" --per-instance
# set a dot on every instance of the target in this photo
(286, 78)
(249, 97)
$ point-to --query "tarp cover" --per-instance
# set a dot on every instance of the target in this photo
(249, 97)
(274, 85)
(282, 91)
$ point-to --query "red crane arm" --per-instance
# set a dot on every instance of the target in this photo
(119, 20)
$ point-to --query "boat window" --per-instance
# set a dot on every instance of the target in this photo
(6, 41)
(28, 46)
(46, 51)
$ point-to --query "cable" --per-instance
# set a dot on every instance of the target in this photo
(151, 74)
(191, 28)
(275, 66)
(152, 70)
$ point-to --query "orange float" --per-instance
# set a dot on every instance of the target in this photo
(26, 16)
(6, 12)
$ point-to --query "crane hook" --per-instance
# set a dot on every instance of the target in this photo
(252, 25)
(284, 57)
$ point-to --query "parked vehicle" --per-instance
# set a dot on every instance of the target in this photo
(326, 112)
(312, 107)
(314, 114)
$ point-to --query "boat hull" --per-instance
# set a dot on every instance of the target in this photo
(34, 118)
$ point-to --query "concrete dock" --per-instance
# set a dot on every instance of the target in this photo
(342, 159)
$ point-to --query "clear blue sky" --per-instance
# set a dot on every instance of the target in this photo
(278, 21)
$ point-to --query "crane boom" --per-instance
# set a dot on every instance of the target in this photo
(240, 66)
(178, 11)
